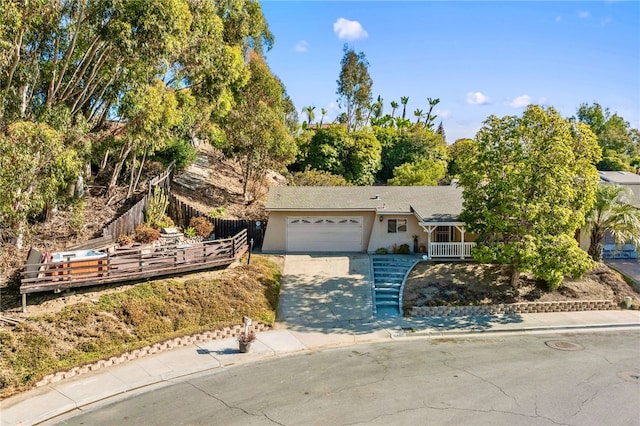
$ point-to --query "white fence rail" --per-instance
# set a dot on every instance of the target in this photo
(460, 250)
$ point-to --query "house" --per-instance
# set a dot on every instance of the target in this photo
(365, 219)
(631, 181)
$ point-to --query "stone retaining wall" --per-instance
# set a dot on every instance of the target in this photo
(514, 308)
(150, 350)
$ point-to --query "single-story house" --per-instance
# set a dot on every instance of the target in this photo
(365, 219)
(631, 181)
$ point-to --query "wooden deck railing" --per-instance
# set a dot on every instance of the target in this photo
(461, 250)
(130, 265)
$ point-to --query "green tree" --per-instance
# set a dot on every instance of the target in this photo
(35, 167)
(612, 213)
(323, 111)
(404, 100)
(311, 177)
(394, 107)
(255, 128)
(401, 146)
(614, 134)
(526, 192)
(309, 110)
(426, 172)
(460, 152)
(354, 87)
(354, 155)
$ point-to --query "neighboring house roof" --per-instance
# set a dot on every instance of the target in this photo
(429, 203)
(621, 178)
(628, 180)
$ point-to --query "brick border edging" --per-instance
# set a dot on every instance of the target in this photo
(149, 350)
(515, 308)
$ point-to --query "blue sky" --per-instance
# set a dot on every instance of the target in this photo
(479, 58)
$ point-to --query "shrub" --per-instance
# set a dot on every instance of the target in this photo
(126, 240)
(217, 212)
(145, 234)
(382, 250)
(403, 249)
(190, 232)
(203, 227)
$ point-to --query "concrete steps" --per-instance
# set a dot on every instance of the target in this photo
(389, 273)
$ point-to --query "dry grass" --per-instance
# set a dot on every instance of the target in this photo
(135, 316)
(450, 284)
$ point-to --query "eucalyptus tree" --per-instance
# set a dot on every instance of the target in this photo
(354, 87)
(527, 188)
(612, 213)
(323, 112)
(255, 128)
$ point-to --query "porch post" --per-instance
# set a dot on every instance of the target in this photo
(429, 230)
(461, 229)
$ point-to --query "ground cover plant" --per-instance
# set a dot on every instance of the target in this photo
(137, 316)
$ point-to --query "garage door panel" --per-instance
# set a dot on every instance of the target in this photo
(322, 234)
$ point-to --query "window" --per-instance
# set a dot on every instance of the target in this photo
(397, 225)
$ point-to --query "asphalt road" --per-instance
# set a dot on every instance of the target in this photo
(569, 379)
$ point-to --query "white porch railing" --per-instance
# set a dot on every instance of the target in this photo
(460, 250)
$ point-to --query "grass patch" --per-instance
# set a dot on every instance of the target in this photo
(142, 315)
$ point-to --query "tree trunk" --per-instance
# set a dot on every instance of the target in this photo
(515, 276)
(595, 245)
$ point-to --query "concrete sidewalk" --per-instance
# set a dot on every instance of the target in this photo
(143, 374)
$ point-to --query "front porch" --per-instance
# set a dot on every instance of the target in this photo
(448, 240)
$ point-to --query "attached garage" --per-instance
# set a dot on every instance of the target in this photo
(324, 234)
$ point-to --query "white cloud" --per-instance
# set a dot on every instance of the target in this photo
(558, 18)
(443, 113)
(542, 101)
(606, 21)
(520, 101)
(302, 46)
(584, 14)
(477, 98)
(349, 30)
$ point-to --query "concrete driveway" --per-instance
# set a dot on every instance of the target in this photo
(325, 292)
(627, 267)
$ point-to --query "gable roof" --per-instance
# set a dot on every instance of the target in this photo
(429, 203)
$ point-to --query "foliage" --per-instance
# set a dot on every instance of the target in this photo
(217, 212)
(255, 128)
(311, 177)
(408, 146)
(145, 234)
(141, 315)
(382, 250)
(526, 191)
(126, 239)
(202, 226)
(614, 134)
(426, 172)
(355, 155)
(459, 151)
(190, 232)
(34, 170)
(78, 219)
(247, 337)
(612, 213)
(354, 87)
(401, 249)
(157, 208)
(179, 151)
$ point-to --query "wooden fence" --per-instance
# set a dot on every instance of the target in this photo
(182, 213)
(127, 265)
(127, 222)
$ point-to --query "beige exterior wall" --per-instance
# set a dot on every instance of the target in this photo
(381, 238)
(275, 237)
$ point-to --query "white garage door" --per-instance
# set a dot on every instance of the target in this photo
(333, 234)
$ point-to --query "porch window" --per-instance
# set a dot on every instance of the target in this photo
(444, 234)
(397, 225)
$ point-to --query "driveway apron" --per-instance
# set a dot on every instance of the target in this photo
(327, 291)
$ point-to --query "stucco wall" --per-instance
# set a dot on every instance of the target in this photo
(381, 238)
